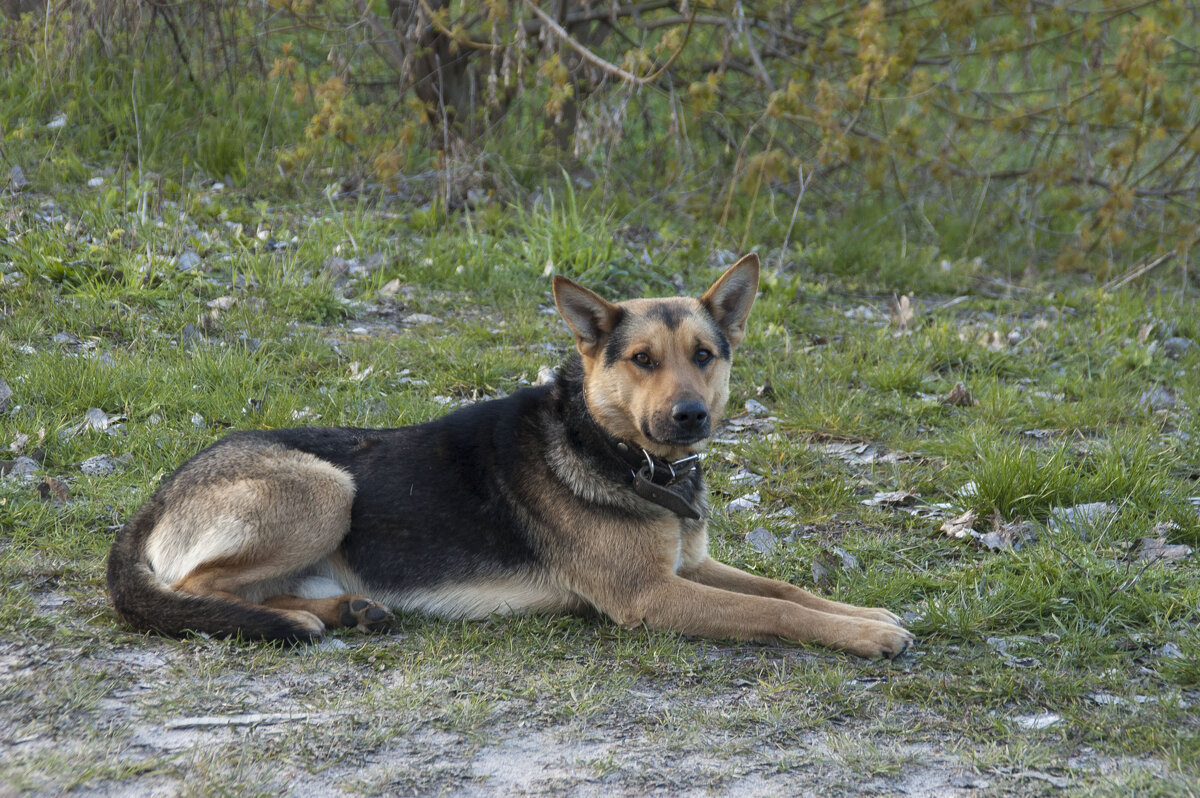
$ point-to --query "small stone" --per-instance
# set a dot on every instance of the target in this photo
(756, 408)
(222, 302)
(1177, 347)
(744, 503)
(59, 121)
(16, 178)
(546, 375)
(336, 267)
(1081, 516)
(391, 288)
(1041, 720)
(21, 467)
(94, 419)
(187, 261)
(96, 182)
(420, 318)
(5, 395)
(762, 540)
(102, 465)
(1158, 398)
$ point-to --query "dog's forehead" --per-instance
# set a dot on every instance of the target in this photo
(670, 311)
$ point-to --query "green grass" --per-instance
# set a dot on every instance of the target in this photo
(1073, 616)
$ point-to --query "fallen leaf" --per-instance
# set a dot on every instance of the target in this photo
(53, 490)
(1158, 550)
(901, 312)
(391, 288)
(959, 396)
(1007, 534)
(993, 341)
(890, 498)
(959, 526)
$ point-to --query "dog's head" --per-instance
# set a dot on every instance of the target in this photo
(656, 371)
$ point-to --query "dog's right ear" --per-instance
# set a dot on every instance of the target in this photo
(589, 316)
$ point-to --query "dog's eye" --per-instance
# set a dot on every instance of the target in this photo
(703, 356)
(643, 360)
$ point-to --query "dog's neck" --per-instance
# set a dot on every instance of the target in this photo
(675, 485)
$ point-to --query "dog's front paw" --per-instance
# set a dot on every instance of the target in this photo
(872, 639)
(369, 616)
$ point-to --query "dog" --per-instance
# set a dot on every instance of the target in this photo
(582, 495)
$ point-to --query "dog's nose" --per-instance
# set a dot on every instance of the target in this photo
(690, 415)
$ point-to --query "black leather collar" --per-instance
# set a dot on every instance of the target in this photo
(661, 481)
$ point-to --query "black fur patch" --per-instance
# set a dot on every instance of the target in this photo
(670, 315)
(618, 339)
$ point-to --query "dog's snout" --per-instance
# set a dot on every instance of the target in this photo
(690, 415)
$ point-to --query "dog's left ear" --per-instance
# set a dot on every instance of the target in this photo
(731, 297)
(590, 316)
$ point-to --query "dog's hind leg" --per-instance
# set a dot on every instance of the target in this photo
(348, 609)
(249, 521)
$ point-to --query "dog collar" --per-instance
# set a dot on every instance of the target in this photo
(657, 480)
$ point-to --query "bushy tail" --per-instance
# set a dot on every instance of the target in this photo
(143, 601)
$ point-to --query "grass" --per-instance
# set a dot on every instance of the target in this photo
(1057, 367)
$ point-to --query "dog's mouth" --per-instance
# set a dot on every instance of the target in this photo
(674, 439)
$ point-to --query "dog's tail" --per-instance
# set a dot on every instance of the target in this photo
(145, 602)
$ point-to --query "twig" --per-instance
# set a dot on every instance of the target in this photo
(1138, 271)
(393, 51)
(795, 210)
(588, 55)
(754, 56)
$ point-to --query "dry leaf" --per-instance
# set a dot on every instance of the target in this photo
(959, 396)
(53, 490)
(901, 311)
(891, 497)
(1007, 535)
(1158, 550)
(960, 525)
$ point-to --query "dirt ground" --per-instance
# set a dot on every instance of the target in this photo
(347, 717)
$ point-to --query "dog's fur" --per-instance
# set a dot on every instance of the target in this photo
(526, 503)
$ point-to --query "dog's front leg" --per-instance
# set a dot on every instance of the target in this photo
(717, 574)
(681, 605)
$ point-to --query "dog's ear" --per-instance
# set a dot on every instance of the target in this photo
(589, 316)
(731, 297)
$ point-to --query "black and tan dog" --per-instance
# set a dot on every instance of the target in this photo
(582, 494)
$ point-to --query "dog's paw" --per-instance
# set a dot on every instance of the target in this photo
(367, 615)
(874, 639)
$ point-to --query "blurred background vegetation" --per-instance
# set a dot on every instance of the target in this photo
(1020, 137)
